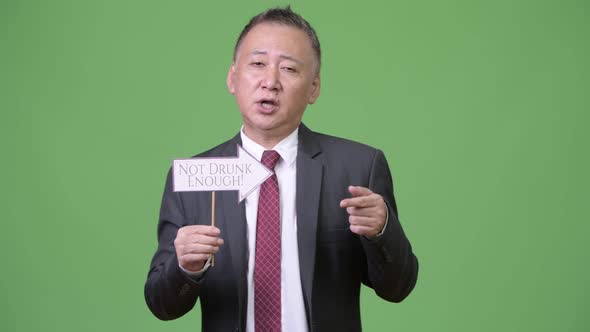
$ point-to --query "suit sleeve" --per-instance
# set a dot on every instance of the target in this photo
(169, 291)
(392, 267)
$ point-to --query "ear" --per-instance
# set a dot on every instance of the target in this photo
(230, 79)
(315, 90)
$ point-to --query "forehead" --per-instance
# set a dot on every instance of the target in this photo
(274, 37)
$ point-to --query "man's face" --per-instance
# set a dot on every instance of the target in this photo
(273, 78)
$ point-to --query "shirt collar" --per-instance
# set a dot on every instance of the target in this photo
(287, 147)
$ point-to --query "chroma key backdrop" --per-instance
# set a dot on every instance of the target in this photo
(481, 108)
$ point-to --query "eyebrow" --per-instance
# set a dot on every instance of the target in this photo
(283, 56)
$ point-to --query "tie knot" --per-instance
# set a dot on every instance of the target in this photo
(270, 158)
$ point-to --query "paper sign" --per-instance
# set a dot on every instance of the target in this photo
(243, 173)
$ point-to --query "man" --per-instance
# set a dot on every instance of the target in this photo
(293, 255)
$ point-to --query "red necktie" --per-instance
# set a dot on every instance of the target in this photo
(267, 266)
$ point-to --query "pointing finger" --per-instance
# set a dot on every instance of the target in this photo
(358, 191)
(359, 202)
(366, 212)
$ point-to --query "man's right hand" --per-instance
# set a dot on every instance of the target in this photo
(194, 244)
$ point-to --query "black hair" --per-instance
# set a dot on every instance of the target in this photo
(284, 16)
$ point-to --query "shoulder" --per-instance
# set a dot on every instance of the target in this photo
(333, 141)
(338, 146)
(227, 148)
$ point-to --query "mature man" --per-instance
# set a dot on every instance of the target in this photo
(293, 255)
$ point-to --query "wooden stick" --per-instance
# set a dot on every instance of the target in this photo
(212, 221)
(212, 208)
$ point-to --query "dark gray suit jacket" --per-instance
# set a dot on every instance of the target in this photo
(333, 260)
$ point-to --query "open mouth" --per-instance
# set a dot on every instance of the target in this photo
(268, 105)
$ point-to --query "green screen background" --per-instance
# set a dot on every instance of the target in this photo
(481, 108)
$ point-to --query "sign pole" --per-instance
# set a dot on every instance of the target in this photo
(213, 221)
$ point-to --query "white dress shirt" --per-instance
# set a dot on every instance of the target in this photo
(293, 316)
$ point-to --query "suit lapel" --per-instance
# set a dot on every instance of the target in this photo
(234, 218)
(309, 181)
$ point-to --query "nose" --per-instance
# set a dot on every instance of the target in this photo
(271, 79)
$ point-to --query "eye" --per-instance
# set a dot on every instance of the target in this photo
(290, 69)
(257, 64)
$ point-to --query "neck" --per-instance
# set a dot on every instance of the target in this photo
(267, 139)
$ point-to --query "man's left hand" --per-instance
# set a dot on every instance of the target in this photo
(367, 211)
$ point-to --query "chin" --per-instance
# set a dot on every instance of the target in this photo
(266, 127)
(263, 121)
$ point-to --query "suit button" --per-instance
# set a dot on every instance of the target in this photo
(185, 288)
(386, 255)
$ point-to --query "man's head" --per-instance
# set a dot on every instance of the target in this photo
(283, 16)
(275, 73)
